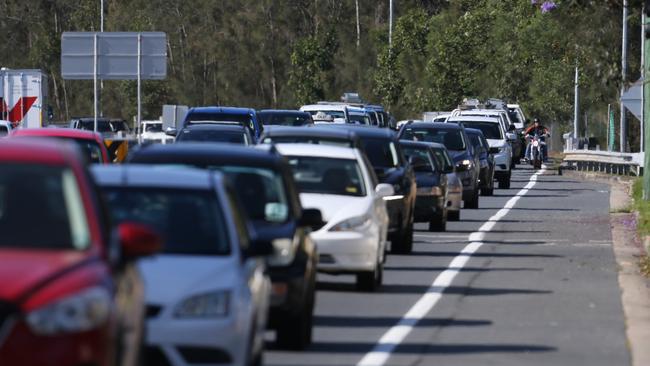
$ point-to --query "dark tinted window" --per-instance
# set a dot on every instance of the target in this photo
(102, 126)
(382, 153)
(327, 176)
(4, 131)
(191, 222)
(452, 138)
(307, 140)
(234, 137)
(243, 119)
(490, 130)
(90, 150)
(443, 158)
(285, 119)
(153, 127)
(412, 152)
(41, 208)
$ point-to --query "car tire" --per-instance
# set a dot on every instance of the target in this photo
(439, 222)
(295, 332)
(453, 216)
(404, 243)
(504, 182)
(473, 203)
(370, 281)
(487, 191)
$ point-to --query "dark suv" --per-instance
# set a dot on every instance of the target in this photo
(391, 167)
(265, 186)
(458, 144)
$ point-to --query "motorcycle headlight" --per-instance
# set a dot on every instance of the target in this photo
(284, 252)
(464, 165)
(209, 305)
(80, 312)
(351, 224)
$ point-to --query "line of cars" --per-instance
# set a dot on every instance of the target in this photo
(211, 243)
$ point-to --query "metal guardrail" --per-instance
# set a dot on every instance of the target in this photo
(603, 161)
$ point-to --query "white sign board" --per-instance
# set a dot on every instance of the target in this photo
(117, 55)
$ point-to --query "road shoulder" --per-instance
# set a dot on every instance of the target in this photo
(635, 288)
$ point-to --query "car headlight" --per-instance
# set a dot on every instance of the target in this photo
(503, 149)
(351, 224)
(465, 165)
(80, 312)
(209, 305)
(429, 191)
(284, 252)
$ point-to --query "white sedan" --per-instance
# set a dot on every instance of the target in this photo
(339, 182)
(207, 292)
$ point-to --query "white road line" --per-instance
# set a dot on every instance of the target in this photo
(398, 333)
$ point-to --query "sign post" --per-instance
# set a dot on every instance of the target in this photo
(114, 56)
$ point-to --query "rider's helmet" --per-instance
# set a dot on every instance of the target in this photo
(536, 121)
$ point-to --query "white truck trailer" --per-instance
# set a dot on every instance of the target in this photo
(23, 97)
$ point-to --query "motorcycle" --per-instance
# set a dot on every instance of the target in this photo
(537, 143)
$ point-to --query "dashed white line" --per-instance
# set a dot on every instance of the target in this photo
(396, 334)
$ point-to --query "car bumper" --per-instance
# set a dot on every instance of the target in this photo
(502, 162)
(184, 342)
(455, 200)
(24, 348)
(427, 207)
(348, 251)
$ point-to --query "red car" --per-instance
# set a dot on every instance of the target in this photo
(90, 143)
(69, 290)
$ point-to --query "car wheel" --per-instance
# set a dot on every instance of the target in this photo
(504, 183)
(473, 203)
(404, 243)
(453, 216)
(295, 333)
(487, 191)
(439, 222)
(370, 281)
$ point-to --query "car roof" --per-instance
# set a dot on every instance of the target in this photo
(473, 119)
(57, 132)
(434, 126)
(37, 150)
(135, 175)
(365, 131)
(483, 111)
(215, 127)
(324, 107)
(310, 131)
(229, 110)
(422, 144)
(282, 111)
(322, 151)
(212, 153)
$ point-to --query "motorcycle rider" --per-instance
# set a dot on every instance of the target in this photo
(536, 129)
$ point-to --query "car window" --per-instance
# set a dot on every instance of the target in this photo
(444, 159)
(307, 140)
(285, 119)
(238, 219)
(412, 152)
(41, 208)
(191, 222)
(327, 176)
(191, 135)
(261, 192)
(475, 140)
(102, 126)
(333, 114)
(359, 119)
(4, 131)
(452, 138)
(153, 127)
(90, 150)
(381, 152)
(491, 130)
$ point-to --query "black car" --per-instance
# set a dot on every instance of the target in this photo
(386, 157)
(264, 184)
(457, 143)
(233, 134)
(277, 117)
(431, 177)
(482, 149)
(311, 135)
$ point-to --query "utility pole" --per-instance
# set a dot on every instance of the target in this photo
(623, 136)
(356, 4)
(101, 29)
(576, 109)
(390, 25)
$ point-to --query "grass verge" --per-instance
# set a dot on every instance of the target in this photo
(644, 265)
(643, 207)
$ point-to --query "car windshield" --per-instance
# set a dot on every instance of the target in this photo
(491, 130)
(382, 153)
(443, 159)
(233, 137)
(475, 140)
(153, 127)
(102, 126)
(41, 208)
(191, 222)
(207, 117)
(514, 116)
(285, 119)
(327, 176)
(333, 114)
(359, 119)
(412, 152)
(451, 138)
(90, 150)
(308, 140)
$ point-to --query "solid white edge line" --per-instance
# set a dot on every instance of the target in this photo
(398, 333)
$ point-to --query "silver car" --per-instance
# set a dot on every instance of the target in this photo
(454, 185)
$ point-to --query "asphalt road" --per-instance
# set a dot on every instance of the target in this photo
(536, 286)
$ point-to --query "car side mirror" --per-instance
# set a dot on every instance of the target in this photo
(137, 240)
(384, 190)
(512, 128)
(511, 136)
(311, 217)
(259, 248)
(171, 131)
